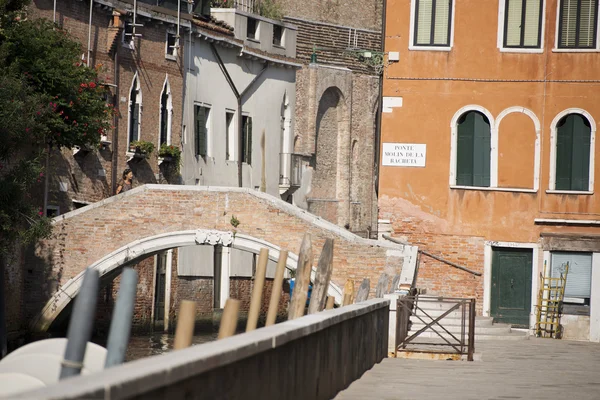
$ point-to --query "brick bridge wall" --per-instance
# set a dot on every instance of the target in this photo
(86, 235)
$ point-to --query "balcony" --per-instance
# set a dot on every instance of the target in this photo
(290, 170)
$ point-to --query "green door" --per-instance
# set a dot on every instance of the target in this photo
(511, 286)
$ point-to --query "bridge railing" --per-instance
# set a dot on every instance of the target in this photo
(313, 357)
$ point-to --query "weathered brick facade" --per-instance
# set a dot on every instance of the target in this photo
(91, 233)
(336, 114)
(87, 177)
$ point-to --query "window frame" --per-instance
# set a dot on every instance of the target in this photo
(207, 127)
(172, 56)
(256, 29)
(169, 108)
(569, 303)
(246, 155)
(281, 43)
(502, 26)
(128, 44)
(413, 26)
(135, 85)
(558, 49)
(553, 152)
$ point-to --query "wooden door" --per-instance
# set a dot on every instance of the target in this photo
(511, 286)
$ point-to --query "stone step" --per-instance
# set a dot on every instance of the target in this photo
(450, 320)
(455, 329)
(513, 335)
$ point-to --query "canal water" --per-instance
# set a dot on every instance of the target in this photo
(141, 346)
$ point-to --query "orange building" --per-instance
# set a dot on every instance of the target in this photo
(488, 150)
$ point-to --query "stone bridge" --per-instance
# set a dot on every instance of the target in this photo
(127, 228)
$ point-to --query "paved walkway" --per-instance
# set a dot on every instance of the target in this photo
(528, 369)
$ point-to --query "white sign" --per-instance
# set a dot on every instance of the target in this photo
(404, 155)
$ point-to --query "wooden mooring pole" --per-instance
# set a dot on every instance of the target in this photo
(322, 277)
(259, 283)
(229, 318)
(277, 285)
(298, 302)
(185, 325)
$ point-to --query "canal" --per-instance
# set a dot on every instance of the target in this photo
(152, 344)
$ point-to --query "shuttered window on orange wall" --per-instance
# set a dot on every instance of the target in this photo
(433, 20)
(573, 138)
(473, 150)
(577, 24)
(523, 23)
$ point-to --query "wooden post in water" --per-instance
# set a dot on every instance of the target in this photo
(348, 290)
(277, 284)
(322, 278)
(298, 302)
(395, 283)
(363, 291)
(229, 318)
(259, 283)
(185, 325)
(382, 286)
(330, 302)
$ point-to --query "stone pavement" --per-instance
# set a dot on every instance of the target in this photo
(527, 369)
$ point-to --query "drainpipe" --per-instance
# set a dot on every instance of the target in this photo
(239, 97)
(115, 137)
(89, 44)
(378, 132)
(54, 13)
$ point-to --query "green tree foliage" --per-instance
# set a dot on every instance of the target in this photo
(48, 99)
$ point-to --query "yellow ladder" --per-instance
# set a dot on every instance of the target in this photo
(549, 305)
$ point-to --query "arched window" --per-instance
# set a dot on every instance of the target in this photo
(135, 110)
(473, 150)
(166, 109)
(573, 139)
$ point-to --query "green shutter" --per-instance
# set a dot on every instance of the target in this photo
(249, 141)
(564, 153)
(481, 151)
(580, 174)
(464, 156)
(135, 122)
(200, 131)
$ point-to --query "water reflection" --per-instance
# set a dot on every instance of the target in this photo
(159, 343)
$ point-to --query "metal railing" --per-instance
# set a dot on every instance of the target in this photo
(248, 6)
(444, 341)
(290, 169)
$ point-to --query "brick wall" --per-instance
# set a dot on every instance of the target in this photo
(356, 13)
(87, 177)
(437, 277)
(91, 233)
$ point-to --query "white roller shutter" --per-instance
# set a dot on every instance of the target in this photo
(579, 277)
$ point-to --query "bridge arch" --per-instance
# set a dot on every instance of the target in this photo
(142, 248)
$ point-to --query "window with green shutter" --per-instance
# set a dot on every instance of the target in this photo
(473, 150)
(134, 111)
(247, 140)
(523, 23)
(201, 129)
(573, 138)
(433, 20)
(577, 24)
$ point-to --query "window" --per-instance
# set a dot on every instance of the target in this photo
(523, 24)
(52, 211)
(171, 46)
(473, 150)
(229, 136)
(573, 138)
(577, 24)
(432, 23)
(135, 110)
(127, 38)
(579, 279)
(251, 28)
(247, 140)
(201, 115)
(277, 35)
(165, 115)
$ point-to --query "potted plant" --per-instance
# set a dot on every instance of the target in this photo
(169, 153)
(141, 148)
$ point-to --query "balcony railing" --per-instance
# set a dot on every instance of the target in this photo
(290, 169)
